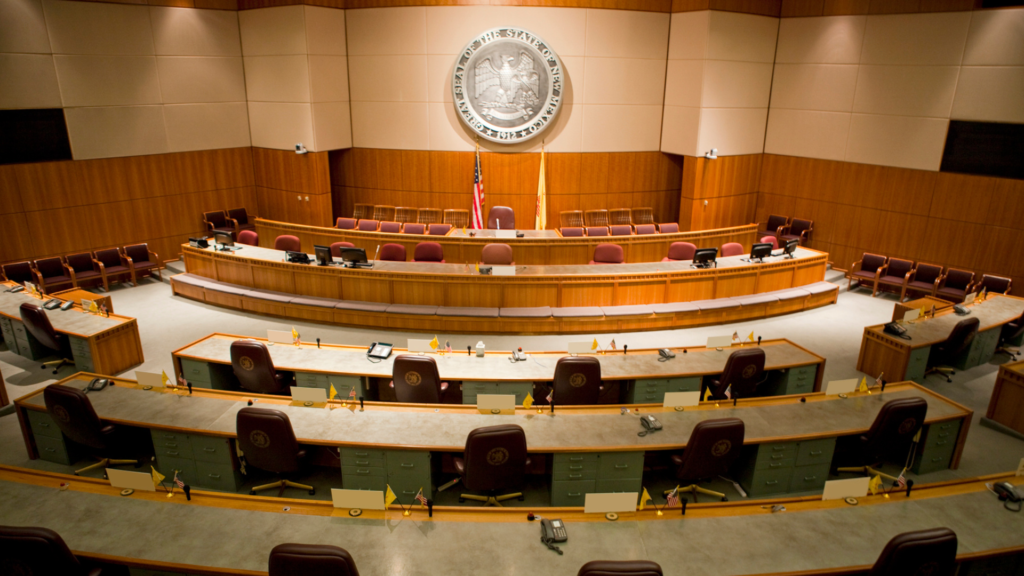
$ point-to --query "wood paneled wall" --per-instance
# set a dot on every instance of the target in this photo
(206, 4)
(293, 187)
(55, 208)
(798, 8)
(728, 184)
(970, 222)
(432, 179)
(638, 5)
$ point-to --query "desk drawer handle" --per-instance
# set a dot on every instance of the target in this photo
(575, 475)
(367, 471)
(777, 448)
(170, 437)
(172, 453)
(809, 478)
(362, 462)
(408, 492)
(214, 476)
(621, 466)
(815, 452)
(50, 450)
(407, 465)
(944, 435)
(941, 443)
(777, 456)
(573, 494)
(209, 449)
(576, 467)
(774, 464)
(938, 459)
(362, 453)
(575, 458)
(44, 424)
(170, 444)
(771, 482)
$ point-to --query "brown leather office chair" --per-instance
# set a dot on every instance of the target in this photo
(897, 274)
(668, 228)
(142, 261)
(311, 560)
(645, 229)
(36, 321)
(577, 381)
(494, 461)
(28, 550)
(414, 228)
(501, 217)
(428, 252)
(500, 254)
(608, 254)
(955, 285)
(417, 380)
(643, 216)
(73, 413)
(890, 436)
(990, 284)
(1010, 332)
(571, 232)
(680, 251)
(367, 225)
(390, 227)
(50, 274)
(345, 223)
(82, 268)
(113, 267)
(744, 372)
(732, 249)
(249, 238)
(266, 438)
(867, 270)
(255, 371)
(337, 246)
(287, 242)
(929, 552)
(798, 229)
(217, 221)
(945, 353)
(239, 218)
(924, 278)
(620, 568)
(392, 253)
(775, 227)
(19, 272)
(713, 447)
(438, 229)
(621, 230)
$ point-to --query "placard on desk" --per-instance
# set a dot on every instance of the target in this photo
(418, 345)
(498, 270)
(911, 315)
(364, 499)
(841, 386)
(719, 341)
(506, 403)
(580, 347)
(316, 395)
(149, 379)
(280, 336)
(504, 233)
(674, 399)
(134, 480)
(598, 503)
(969, 299)
(847, 488)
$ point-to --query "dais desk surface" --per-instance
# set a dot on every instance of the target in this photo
(995, 310)
(75, 321)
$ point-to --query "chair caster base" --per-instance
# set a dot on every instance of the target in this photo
(312, 492)
(252, 492)
(725, 498)
(462, 500)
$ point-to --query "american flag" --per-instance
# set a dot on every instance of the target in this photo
(181, 381)
(902, 480)
(612, 345)
(551, 395)
(673, 497)
(478, 194)
(421, 498)
(178, 481)
(352, 393)
(448, 346)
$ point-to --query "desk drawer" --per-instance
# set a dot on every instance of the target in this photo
(571, 493)
(363, 462)
(815, 452)
(917, 363)
(53, 450)
(43, 425)
(809, 478)
(163, 438)
(625, 485)
(684, 384)
(347, 471)
(363, 453)
(217, 476)
(407, 461)
(941, 434)
(80, 346)
(568, 467)
(765, 482)
(186, 468)
(212, 450)
(196, 372)
(519, 389)
(620, 465)
(774, 453)
(171, 450)
(364, 483)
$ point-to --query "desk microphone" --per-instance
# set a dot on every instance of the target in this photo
(360, 403)
(189, 384)
(318, 343)
(375, 256)
(188, 492)
(758, 340)
(625, 349)
(469, 350)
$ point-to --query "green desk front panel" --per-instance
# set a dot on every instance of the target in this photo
(652, 390)
(208, 375)
(981, 349)
(576, 475)
(343, 385)
(28, 346)
(938, 442)
(81, 353)
(50, 441)
(406, 471)
(470, 390)
(796, 380)
(780, 468)
(7, 328)
(203, 461)
(917, 364)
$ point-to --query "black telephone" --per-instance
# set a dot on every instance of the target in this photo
(552, 531)
(52, 304)
(97, 384)
(896, 329)
(1007, 493)
(297, 257)
(379, 350)
(650, 423)
(961, 310)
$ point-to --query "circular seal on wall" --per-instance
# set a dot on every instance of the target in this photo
(497, 456)
(721, 448)
(749, 371)
(413, 378)
(246, 363)
(259, 438)
(61, 413)
(577, 380)
(507, 85)
(907, 425)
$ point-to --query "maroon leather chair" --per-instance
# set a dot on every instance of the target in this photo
(437, 229)
(240, 219)
(368, 225)
(27, 550)
(414, 228)
(428, 252)
(217, 221)
(311, 560)
(955, 285)
(337, 246)
(597, 230)
(19, 272)
(991, 284)
(897, 274)
(931, 552)
(775, 227)
(620, 568)
(890, 435)
(770, 240)
(668, 228)
(744, 371)
(142, 261)
(943, 355)
(35, 320)
(645, 229)
(268, 441)
(501, 217)
(392, 253)
(577, 381)
(494, 461)
(868, 269)
(345, 223)
(732, 249)
(1010, 333)
(255, 371)
(287, 242)
(249, 238)
(608, 254)
(798, 230)
(74, 415)
(497, 254)
(713, 447)
(621, 230)
(50, 273)
(679, 251)
(924, 278)
(390, 227)
(417, 380)
(113, 267)
(82, 268)
(571, 232)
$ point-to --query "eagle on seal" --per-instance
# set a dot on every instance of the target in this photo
(509, 80)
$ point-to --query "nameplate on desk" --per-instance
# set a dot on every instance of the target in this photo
(280, 336)
(673, 399)
(503, 270)
(149, 379)
(503, 402)
(581, 347)
(970, 299)
(911, 315)
(841, 386)
(719, 341)
(419, 345)
(134, 480)
(504, 233)
(315, 395)
(364, 499)
(611, 502)
(849, 488)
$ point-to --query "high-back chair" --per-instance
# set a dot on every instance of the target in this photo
(405, 214)
(620, 217)
(680, 251)
(142, 262)
(744, 372)
(268, 441)
(361, 211)
(429, 216)
(990, 284)
(929, 552)
(82, 268)
(239, 218)
(500, 254)
(955, 285)
(571, 219)
(428, 252)
(577, 381)
(798, 230)
(608, 254)
(732, 249)
(254, 368)
(943, 354)
(890, 436)
(775, 227)
(311, 560)
(112, 266)
(337, 246)
(27, 550)
(415, 379)
(51, 273)
(37, 323)
(924, 278)
(74, 415)
(713, 447)
(494, 461)
(501, 217)
(897, 274)
(867, 270)
(596, 217)
(217, 221)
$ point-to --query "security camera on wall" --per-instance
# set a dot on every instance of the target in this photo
(300, 149)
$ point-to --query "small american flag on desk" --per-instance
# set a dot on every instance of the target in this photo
(421, 498)
(672, 499)
(178, 481)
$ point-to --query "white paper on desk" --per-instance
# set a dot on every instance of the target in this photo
(719, 341)
(911, 315)
(610, 502)
(581, 347)
(849, 488)
(302, 394)
(496, 401)
(149, 379)
(497, 270)
(86, 304)
(970, 298)
(280, 336)
(673, 399)
(841, 386)
(134, 480)
(504, 233)
(364, 499)
(419, 345)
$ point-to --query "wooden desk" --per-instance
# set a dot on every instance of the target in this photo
(901, 359)
(102, 344)
(77, 294)
(537, 247)
(901, 308)
(1006, 408)
(792, 369)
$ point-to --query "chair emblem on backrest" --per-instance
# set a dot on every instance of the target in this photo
(259, 438)
(246, 363)
(907, 426)
(61, 414)
(721, 448)
(497, 456)
(927, 569)
(749, 371)
(577, 380)
(413, 378)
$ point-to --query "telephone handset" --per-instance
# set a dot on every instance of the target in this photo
(518, 355)
(52, 304)
(961, 310)
(552, 531)
(666, 353)
(97, 384)
(895, 329)
(650, 423)
(379, 350)
(1007, 493)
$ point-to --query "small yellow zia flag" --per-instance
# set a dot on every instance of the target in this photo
(863, 385)
(389, 496)
(295, 336)
(93, 307)
(528, 401)
(707, 394)
(164, 379)
(643, 499)
(332, 392)
(157, 477)
(594, 345)
(751, 336)
(434, 343)
(875, 485)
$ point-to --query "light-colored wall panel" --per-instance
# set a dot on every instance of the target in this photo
(382, 31)
(684, 82)
(996, 38)
(206, 126)
(990, 93)
(439, 74)
(621, 128)
(826, 87)
(906, 90)
(201, 79)
(388, 78)
(627, 34)
(736, 84)
(107, 132)
(325, 31)
(935, 39)
(807, 133)
(829, 40)
(449, 28)
(566, 135)
(273, 31)
(733, 131)
(96, 28)
(680, 130)
(280, 125)
(396, 125)
(742, 37)
(624, 81)
(190, 32)
(277, 78)
(328, 77)
(901, 141)
(108, 80)
(23, 27)
(689, 37)
(332, 126)
(446, 131)
(29, 81)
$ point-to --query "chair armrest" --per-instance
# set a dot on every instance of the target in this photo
(154, 257)
(856, 267)
(912, 274)
(881, 269)
(783, 229)
(125, 260)
(940, 282)
(806, 234)
(907, 277)
(209, 227)
(102, 268)
(39, 278)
